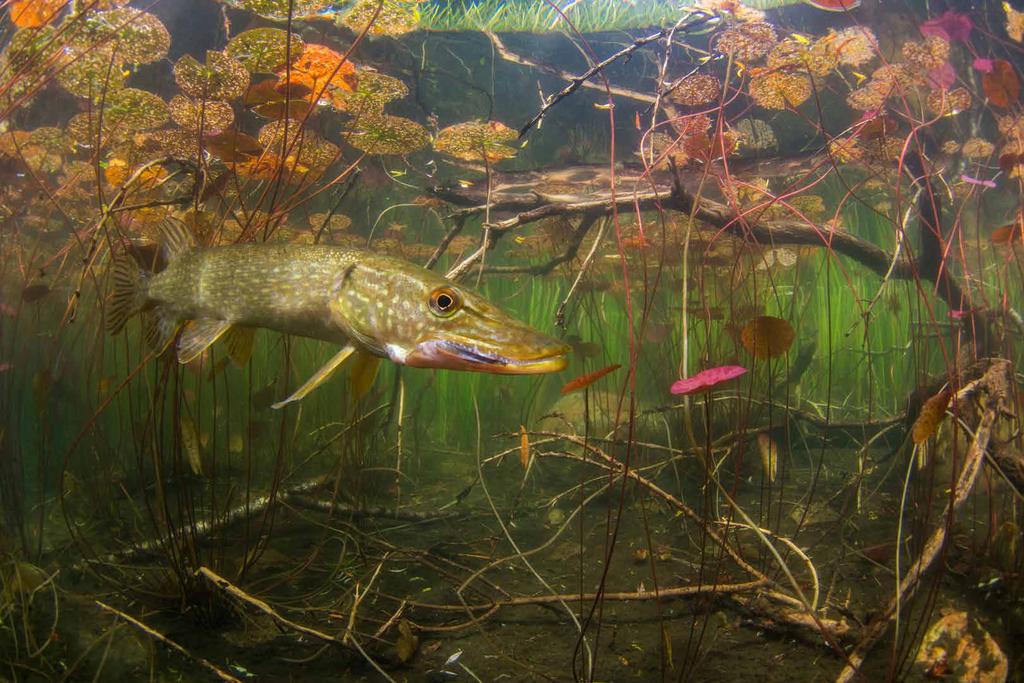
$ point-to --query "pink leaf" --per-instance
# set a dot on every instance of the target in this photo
(950, 25)
(985, 66)
(707, 379)
(942, 77)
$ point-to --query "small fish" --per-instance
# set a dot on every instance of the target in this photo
(524, 448)
(586, 380)
(34, 293)
(859, 76)
(604, 106)
(800, 38)
(1006, 234)
(191, 443)
(978, 181)
(372, 304)
(769, 453)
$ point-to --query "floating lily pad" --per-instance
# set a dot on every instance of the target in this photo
(176, 142)
(372, 91)
(393, 19)
(208, 116)
(384, 134)
(477, 141)
(697, 89)
(136, 37)
(34, 13)
(125, 112)
(51, 138)
(92, 73)
(779, 90)
(298, 145)
(31, 48)
(279, 9)
(263, 50)
(327, 229)
(222, 77)
(325, 66)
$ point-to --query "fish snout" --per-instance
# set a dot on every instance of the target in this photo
(534, 355)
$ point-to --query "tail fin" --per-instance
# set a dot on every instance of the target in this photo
(128, 293)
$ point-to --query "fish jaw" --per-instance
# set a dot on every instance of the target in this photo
(543, 355)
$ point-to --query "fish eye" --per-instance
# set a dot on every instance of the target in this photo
(444, 301)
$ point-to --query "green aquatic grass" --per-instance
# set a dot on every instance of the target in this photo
(540, 17)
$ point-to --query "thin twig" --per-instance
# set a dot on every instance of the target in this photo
(220, 673)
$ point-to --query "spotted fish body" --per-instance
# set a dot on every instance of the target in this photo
(280, 287)
(375, 305)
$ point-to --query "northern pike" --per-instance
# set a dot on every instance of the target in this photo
(372, 304)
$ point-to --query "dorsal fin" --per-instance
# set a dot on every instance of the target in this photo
(177, 238)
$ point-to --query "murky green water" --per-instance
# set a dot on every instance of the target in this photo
(781, 246)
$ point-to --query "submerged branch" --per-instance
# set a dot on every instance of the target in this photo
(153, 633)
(993, 390)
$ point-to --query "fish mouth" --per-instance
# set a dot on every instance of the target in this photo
(452, 354)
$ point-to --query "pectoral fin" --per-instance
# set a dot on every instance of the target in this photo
(364, 372)
(198, 335)
(239, 342)
(320, 377)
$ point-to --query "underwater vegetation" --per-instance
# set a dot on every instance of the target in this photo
(642, 334)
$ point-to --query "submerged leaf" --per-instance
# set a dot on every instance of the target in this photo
(1001, 85)
(232, 145)
(586, 380)
(958, 648)
(265, 99)
(767, 337)
(408, 642)
(928, 420)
